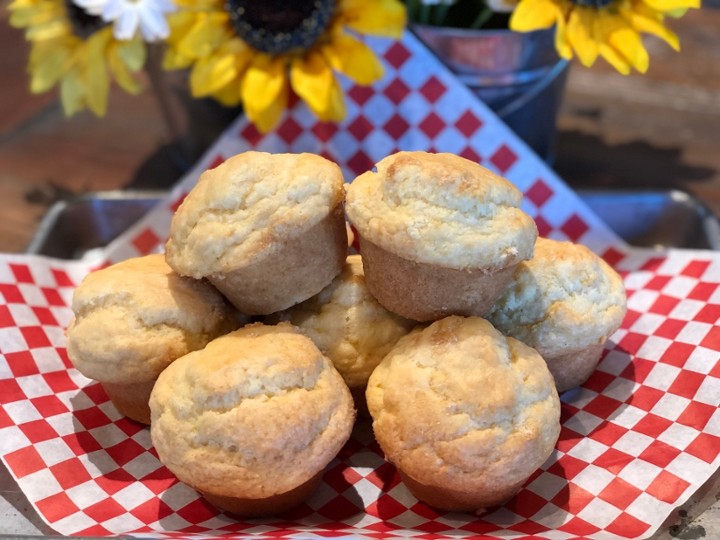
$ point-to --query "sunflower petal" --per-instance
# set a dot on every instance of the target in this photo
(353, 58)
(97, 80)
(624, 39)
(581, 34)
(264, 91)
(208, 32)
(122, 74)
(667, 6)
(49, 61)
(229, 96)
(313, 80)
(212, 73)
(72, 95)
(132, 53)
(532, 15)
(648, 21)
(374, 17)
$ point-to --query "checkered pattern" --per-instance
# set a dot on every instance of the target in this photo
(637, 439)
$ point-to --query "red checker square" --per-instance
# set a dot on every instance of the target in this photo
(652, 264)
(113, 481)
(613, 460)
(627, 526)
(567, 467)
(695, 269)
(652, 425)
(5, 420)
(613, 256)
(49, 406)
(608, 433)
(528, 527)
(664, 305)
(251, 134)
(712, 339)
(599, 380)
(94, 531)
(396, 126)
(396, 91)
(96, 393)
(578, 527)
(433, 89)
(602, 406)
(52, 296)
(660, 454)
(25, 461)
(361, 94)
(45, 316)
(146, 241)
(160, 479)
(10, 391)
(705, 447)
(526, 503)
(638, 370)
(339, 509)
(217, 160)
(544, 228)
(289, 130)
(470, 153)
(35, 337)
(6, 318)
(568, 439)
(70, 473)
(385, 477)
(62, 278)
(125, 451)
(703, 291)
(104, 510)
(197, 511)
(479, 526)
(11, 293)
(360, 128)
(645, 398)
(503, 158)
(56, 507)
(360, 163)
(397, 55)
(631, 342)
(630, 318)
(677, 354)
(696, 415)
(59, 381)
(657, 283)
(178, 201)
(539, 193)
(81, 442)
(709, 314)
(574, 228)
(22, 273)
(22, 363)
(38, 430)
(431, 526)
(426, 511)
(386, 507)
(91, 418)
(432, 125)
(152, 510)
(667, 487)
(468, 124)
(324, 131)
(686, 383)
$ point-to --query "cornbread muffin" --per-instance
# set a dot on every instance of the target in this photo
(465, 413)
(439, 234)
(565, 302)
(268, 230)
(349, 326)
(134, 318)
(251, 420)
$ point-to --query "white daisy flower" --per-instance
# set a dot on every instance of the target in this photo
(129, 16)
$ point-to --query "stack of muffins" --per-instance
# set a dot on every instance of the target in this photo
(249, 345)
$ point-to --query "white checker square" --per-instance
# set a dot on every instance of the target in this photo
(12, 340)
(579, 396)
(642, 300)
(41, 484)
(402, 495)
(587, 450)
(647, 508)
(133, 495)
(171, 523)
(661, 376)
(34, 386)
(304, 142)
(179, 495)
(709, 391)
(447, 108)
(74, 522)
(23, 315)
(12, 438)
(122, 523)
(63, 315)
(21, 412)
(627, 416)
(615, 362)
(620, 389)
(414, 109)
(451, 140)
(670, 406)
(5, 371)
(32, 294)
(648, 323)
(378, 144)
(686, 310)
(108, 435)
(678, 436)
(680, 286)
(694, 332)
(702, 360)
(48, 360)
(551, 516)
(637, 280)
(378, 111)
(98, 463)
(547, 485)
(690, 468)
(141, 466)
(713, 425)
(633, 443)
(593, 479)
(409, 520)
(583, 422)
(639, 473)
(62, 424)
(86, 494)
(599, 513)
(54, 451)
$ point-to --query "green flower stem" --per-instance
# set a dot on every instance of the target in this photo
(482, 17)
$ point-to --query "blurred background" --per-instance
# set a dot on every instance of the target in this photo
(657, 131)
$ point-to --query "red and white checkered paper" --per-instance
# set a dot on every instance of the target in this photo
(640, 437)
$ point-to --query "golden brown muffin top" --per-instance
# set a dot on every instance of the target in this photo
(247, 207)
(133, 318)
(565, 298)
(441, 209)
(256, 413)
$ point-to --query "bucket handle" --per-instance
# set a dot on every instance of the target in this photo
(534, 90)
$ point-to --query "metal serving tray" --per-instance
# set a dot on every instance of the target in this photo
(642, 218)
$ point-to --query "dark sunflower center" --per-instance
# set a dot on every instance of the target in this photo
(83, 24)
(278, 26)
(593, 3)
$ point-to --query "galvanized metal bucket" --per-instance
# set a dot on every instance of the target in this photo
(518, 75)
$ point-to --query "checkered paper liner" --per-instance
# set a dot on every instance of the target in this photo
(638, 438)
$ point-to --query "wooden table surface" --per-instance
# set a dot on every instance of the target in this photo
(660, 130)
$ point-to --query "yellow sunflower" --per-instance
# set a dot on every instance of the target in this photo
(608, 28)
(76, 51)
(249, 52)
